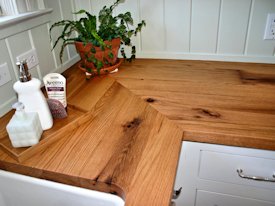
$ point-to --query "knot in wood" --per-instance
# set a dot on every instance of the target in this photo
(132, 124)
(207, 112)
(150, 100)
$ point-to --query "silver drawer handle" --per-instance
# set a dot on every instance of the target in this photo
(266, 179)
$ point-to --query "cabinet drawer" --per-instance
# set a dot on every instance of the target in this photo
(205, 198)
(218, 166)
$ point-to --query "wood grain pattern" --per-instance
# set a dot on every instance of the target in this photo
(214, 102)
(135, 121)
(117, 149)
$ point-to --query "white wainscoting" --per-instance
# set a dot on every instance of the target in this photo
(224, 30)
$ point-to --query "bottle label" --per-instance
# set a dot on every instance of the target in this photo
(56, 87)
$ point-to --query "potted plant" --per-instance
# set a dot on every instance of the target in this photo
(98, 45)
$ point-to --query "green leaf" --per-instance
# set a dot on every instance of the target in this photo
(98, 38)
(93, 50)
(89, 69)
(110, 55)
(80, 12)
(122, 51)
(99, 64)
(102, 47)
(110, 26)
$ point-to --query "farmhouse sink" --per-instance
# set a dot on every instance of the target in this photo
(20, 190)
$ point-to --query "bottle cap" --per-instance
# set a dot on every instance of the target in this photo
(24, 75)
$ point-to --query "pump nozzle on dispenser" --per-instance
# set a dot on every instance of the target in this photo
(20, 112)
(24, 74)
(24, 128)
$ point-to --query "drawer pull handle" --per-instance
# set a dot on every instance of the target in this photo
(266, 179)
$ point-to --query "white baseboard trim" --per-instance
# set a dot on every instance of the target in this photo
(205, 56)
(6, 107)
(63, 67)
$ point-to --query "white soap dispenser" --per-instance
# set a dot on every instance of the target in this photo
(29, 93)
(24, 129)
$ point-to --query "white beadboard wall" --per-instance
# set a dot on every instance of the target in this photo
(223, 30)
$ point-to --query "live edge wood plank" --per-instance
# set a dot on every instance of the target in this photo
(137, 118)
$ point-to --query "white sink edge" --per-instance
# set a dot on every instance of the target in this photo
(61, 187)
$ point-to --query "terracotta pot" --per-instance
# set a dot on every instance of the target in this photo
(85, 50)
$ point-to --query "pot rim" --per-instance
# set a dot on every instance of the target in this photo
(104, 70)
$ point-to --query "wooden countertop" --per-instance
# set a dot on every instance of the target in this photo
(137, 118)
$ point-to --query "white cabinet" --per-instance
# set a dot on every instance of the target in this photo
(205, 198)
(209, 177)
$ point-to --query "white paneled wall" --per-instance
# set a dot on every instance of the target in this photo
(225, 30)
(230, 39)
(255, 45)
(204, 26)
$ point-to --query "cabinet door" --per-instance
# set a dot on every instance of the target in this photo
(205, 198)
(213, 169)
(187, 174)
